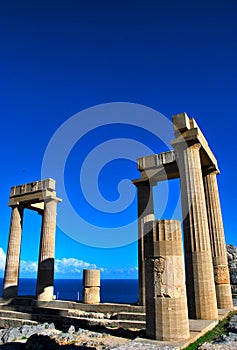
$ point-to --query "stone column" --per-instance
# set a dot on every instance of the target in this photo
(199, 269)
(10, 286)
(45, 280)
(91, 286)
(145, 213)
(166, 301)
(218, 245)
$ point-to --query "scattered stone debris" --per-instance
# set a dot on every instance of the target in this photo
(144, 346)
(225, 341)
(45, 336)
(85, 314)
(232, 262)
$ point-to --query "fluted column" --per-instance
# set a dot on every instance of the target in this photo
(10, 286)
(199, 269)
(218, 245)
(145, 213)
(45, 280)
(166, 301)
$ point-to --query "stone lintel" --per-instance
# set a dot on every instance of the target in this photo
(158, 167)
(155, 160)
(33, 198)
(181, 123)
(33, 187)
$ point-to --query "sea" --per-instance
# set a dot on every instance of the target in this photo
(111, 290)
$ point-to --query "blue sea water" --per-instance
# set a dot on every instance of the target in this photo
(116, 290)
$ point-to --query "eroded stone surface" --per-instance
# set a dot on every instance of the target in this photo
(232, 262)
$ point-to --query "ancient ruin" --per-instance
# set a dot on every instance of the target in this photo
(41, 197)
(166, 301)
(91, 286)
(207, 276)
(169, 290)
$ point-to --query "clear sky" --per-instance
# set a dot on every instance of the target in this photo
(61, 57)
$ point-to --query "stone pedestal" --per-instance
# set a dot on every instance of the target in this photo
(145, 214)
(10, 286)
(166, 301)
(45, 280)
(219, 253)
(199, 269)
(91, 286)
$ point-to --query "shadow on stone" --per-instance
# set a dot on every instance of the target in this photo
(13, 346)
(42, 342)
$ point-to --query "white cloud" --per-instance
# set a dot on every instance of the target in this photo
(69, 268)
(129, 272)
(28, 266)
(2, 259)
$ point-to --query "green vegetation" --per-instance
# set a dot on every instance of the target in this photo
(213, 334)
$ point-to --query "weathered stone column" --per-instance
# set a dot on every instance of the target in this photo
(45, 280)
(10, 286)
(166, 301)
(218, 245)
(145, 214)
(199, 269)
(91, 286)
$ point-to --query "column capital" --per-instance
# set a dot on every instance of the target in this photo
(15, 205)
(182, 144)
(144, 182)
(210, 171)
(51, 199)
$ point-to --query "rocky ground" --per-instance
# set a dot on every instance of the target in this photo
(232, 262)
(47, 337)
(224, 342)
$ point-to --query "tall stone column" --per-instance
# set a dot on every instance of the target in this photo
(145, 214)
(10, 286)
(218, 245)
(166, 301)
(45, 280)
(199, 269)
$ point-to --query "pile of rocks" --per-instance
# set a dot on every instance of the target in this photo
(46, 336)
(225, 341)
(232, 262)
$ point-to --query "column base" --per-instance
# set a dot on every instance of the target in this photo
(46, 294)
(10, 291)
(168, 320)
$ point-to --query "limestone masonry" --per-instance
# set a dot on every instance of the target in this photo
(207, 277)
(41, 197)
(174, 283)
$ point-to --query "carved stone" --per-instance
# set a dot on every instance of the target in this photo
(194, 163)
(166, 302)
(41, 197)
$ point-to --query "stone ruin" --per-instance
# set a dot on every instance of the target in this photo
(39, 196)
(168, 299)
(232, 262)
(207, 276)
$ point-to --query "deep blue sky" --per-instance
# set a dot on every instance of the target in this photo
(60, 57)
